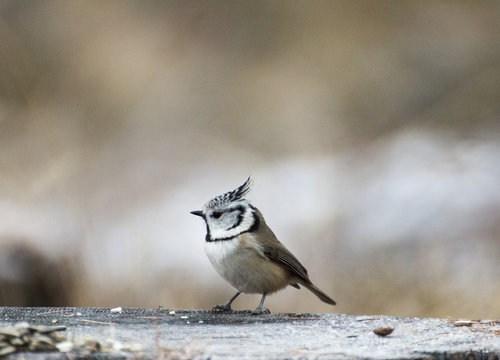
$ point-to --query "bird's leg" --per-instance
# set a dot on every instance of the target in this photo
(226, 306)
(260, 310)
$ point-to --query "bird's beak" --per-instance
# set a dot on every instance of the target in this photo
(197, 213)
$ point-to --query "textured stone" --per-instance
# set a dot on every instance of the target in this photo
(200, 334)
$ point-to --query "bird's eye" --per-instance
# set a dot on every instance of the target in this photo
(216, 214)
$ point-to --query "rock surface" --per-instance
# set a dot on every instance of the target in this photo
(198, 334)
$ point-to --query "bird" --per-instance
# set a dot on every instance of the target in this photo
(245, 252)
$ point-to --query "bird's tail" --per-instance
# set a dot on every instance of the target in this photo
(320, 294)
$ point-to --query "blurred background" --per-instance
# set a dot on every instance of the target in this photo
(371, 129)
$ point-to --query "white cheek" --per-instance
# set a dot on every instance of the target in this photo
(221, 233)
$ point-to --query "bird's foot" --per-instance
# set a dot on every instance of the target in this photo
(260, 311)
(222, 308)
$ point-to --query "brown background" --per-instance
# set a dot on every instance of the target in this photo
(371, 130)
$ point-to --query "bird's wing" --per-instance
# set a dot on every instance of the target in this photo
(281, 255)
(275, 251)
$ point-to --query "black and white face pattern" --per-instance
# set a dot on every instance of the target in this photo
(229, 215)
(225, 223)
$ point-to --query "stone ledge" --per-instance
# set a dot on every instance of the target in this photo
(201, 334)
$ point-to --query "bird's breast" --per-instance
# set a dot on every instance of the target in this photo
(219, 252)
(240, 262)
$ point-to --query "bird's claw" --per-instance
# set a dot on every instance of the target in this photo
(221, 308)
(261, 311)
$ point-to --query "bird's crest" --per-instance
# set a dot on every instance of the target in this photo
(231, 196)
